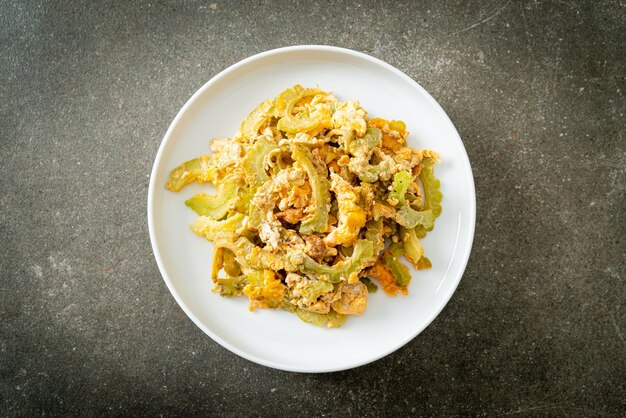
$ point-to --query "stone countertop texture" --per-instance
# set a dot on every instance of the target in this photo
(536, 89)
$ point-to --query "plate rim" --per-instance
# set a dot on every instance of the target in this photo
(151, 210)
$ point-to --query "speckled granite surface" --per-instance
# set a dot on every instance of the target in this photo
(536, 89)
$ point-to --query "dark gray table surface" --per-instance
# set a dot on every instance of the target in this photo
(536, 89)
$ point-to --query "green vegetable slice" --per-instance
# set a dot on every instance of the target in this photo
(316, 289)
(391, 259)
(370, 285)
(215, 207)
(374, 234)
(423, 221)
(397, 125)
(413, 250)
(213, 230)
(200, 169)
(285, 103)
(405, 215)
(230, 286)
(256, 160)
(332, 319)
(366, 144)
(361, 150)
(256, 216)
(246, 193)
(401, 183)
(432, 193)
(231, 266)
(347, 269)
(317, 173)
(424, 263)
(252, 123)
(410, 218)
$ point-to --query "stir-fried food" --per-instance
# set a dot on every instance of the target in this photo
(313, 200)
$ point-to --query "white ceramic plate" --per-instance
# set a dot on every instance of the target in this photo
(279, 339)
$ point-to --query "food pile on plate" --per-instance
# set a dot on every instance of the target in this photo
(315, 203)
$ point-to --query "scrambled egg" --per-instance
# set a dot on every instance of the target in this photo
(309, 192)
